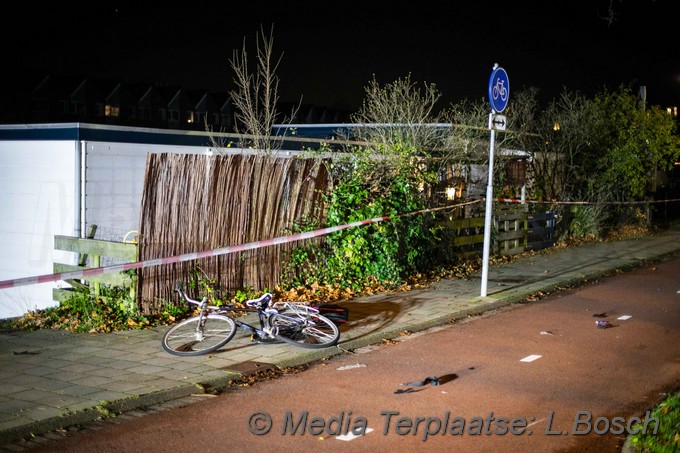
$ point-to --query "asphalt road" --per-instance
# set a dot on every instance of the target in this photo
(538, 376)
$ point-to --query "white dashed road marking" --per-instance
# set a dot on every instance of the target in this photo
(351, 436)
(531, 358)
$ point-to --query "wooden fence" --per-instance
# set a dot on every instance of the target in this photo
(510, 226)
(90, 252)
(514, 231)
(541, 230)
(467, 235)
(192, 203)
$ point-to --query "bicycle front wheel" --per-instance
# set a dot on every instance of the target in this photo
(308, 330)
(197, 336)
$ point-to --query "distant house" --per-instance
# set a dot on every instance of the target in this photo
(59, 98)
(226, 112)
(51, 98)
(206, 110)
(121, 105)
(152, 107)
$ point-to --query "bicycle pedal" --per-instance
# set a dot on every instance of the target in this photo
(259, 339)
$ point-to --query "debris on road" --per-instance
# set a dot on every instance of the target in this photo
(433, 380)
(351, 367)
(603, 324)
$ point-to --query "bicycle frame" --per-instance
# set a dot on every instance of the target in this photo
(262, 315)
(299, 311)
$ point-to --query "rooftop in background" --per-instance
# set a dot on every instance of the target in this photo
(335, 131)
(102, 133)
(55, 98)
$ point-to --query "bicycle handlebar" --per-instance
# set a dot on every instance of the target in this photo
(183, 295)
(263, 302)
(264, 299)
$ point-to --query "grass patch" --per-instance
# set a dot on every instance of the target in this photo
(667, 437)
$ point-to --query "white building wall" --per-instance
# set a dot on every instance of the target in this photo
(43, 194)
(38, 193)
(63, 186)
(114, 184)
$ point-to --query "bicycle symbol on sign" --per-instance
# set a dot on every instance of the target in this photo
(500, 90)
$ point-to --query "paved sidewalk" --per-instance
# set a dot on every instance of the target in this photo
(53, 379)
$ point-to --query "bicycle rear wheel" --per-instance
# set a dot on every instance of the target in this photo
(189, 338)
(306, 330)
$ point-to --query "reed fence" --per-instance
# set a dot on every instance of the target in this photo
(192, 203)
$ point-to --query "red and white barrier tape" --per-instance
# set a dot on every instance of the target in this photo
(514, 200)
(204, 254)
(253, 245)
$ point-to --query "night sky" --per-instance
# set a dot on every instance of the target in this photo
(331, 50)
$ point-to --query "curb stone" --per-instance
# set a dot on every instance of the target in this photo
(11, 435)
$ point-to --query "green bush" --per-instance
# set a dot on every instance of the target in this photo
(113, 309)
(586, 222)
(385, 251)
(667, 437)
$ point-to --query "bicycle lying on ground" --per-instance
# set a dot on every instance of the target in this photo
(289, 322)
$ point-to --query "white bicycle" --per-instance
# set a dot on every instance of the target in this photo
(289, 322)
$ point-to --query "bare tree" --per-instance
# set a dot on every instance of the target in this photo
(611, 15)
(399, 124)
(256, 96)
(468, 136)
(555, 137)
(398, 113)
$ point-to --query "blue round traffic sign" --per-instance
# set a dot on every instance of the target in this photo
(499, 89)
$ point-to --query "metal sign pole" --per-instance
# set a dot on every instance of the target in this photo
(499, 93)
(487, 215)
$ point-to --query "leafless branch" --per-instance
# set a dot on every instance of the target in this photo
(256, 96)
